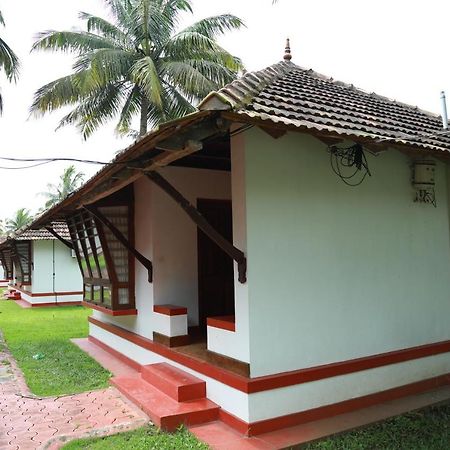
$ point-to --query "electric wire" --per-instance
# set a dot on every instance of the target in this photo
(43, 161)
(25, 167)
(348, 157)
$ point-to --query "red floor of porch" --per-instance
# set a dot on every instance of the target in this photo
(221, 437)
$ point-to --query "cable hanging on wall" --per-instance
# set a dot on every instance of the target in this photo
(349, 164)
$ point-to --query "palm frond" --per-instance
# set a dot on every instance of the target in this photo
(21, 218)
(145, 74)
(121, 10)
(189, 43)
(106, 64)
(176, 104)
(130, 109)
(69, 181)
(56, 94)
(106, 29)
(171, 9)
(215, 26)
(71, 41)
(185, 76)
(96, 110)
(8, 61)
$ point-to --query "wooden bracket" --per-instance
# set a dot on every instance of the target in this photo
(60, 238)
(122, 239)
(202, 223)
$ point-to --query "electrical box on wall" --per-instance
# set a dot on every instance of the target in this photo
(423, 181)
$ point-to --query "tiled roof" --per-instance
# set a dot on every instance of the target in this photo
(288, 94)
(43, 234)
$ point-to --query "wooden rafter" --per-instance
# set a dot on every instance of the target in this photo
(60, 238)
(122, 239)
(129, 175)
(202, 223)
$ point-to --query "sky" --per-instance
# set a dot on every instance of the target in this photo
(398, 49)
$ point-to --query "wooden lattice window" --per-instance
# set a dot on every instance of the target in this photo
(7, 263)
(106, 265)
(22, 261)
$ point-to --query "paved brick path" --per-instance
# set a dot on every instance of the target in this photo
(28, 422)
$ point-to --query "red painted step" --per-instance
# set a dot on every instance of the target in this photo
(175, 383)
(163, 410)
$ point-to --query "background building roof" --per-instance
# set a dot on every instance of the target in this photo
(43, 234)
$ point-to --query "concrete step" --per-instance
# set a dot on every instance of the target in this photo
(164, 411)
(174, 382)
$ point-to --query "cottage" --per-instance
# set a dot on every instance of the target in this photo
(41, 268)
(287, 246)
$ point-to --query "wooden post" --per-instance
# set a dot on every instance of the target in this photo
(202, 223)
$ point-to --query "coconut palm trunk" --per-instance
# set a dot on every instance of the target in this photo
(144, 113)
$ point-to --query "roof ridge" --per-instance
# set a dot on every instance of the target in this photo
(251, 84)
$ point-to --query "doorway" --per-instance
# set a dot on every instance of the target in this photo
(215, 267)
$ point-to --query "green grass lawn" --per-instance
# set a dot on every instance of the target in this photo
(427, 429)
(38, 338)
(145, 438)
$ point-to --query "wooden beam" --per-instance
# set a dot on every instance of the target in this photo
(60, 238)
(122, 239)
(202, 223)
(169, 156)
(130, 175)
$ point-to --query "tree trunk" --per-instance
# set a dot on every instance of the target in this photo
(144, 113)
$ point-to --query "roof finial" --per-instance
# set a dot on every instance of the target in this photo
(287, 51)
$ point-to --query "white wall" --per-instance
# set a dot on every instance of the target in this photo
(236, 344)
(338, 272)
(67, 272)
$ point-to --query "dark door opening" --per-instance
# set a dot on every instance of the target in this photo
(215, 267)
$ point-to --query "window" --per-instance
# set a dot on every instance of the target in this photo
(7, 263)
(22, 261)
(105, 263)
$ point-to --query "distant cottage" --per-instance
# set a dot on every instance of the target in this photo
(42, 268)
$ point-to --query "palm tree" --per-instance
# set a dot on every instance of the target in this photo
(9, 62)
(137, 65)
(21, 219)
(69, 181)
